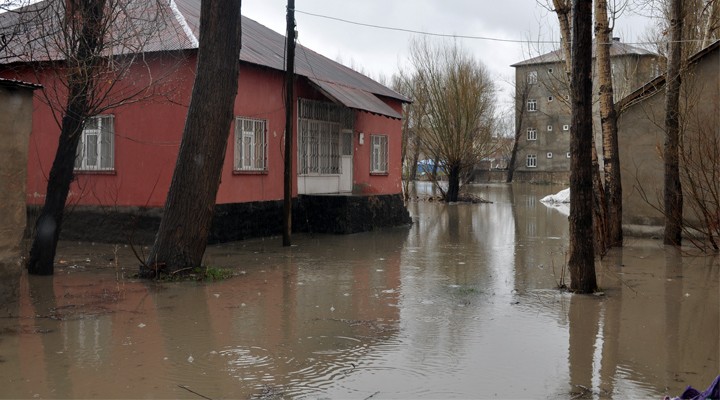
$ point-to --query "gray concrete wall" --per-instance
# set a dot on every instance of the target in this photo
(15, 126)
(641, 134)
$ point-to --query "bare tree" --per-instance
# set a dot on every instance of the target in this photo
(582, 257)
(673, 198)
(459, 100)
(83, 49)
(182, 237)
(522, 90)
(608, 122)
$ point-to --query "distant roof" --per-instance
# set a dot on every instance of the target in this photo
(658, 82)
(617, 48)
(260, 46)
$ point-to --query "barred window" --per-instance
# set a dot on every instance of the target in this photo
(319, 126)
(379, 154)
(96, 149)
(532, 134)
(250, 144)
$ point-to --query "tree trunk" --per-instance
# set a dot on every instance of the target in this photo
(582, 261)
(673, 200)
(81, 85)
(453, 183)
(599, 206)
(182, 237)
(608, 122)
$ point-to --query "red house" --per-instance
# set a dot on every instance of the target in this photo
(347, 138)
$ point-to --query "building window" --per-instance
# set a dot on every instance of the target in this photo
(550, 98)
(250, 144)
(550, 70)
(567, 154)
(379, 154)
(532, 134)
(319, 127)
(566, 127)
(549, 155)
(96, 149)
(549, 128)
(532, 77)
(532, 105)
(531, 161)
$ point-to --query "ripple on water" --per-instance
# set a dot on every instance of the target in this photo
(249, 363)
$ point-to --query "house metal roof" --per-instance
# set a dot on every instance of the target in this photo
(617, 49)
(178, 28)
(16, 83)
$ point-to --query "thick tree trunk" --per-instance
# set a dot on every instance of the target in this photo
(183, 233)
(608, 122)
(453, 183)
(81, 84)
(673, 200)
(582, 261)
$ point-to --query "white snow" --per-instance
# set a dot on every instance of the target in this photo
(559, 201)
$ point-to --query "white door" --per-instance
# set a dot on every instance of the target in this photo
(346, 161)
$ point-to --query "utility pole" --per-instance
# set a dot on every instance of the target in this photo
(289, 105)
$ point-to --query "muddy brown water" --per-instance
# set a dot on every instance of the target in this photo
(460, 305)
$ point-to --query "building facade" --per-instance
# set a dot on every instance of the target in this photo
(346, 138)
(542, 109)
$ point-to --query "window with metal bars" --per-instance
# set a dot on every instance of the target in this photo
(319, 126)
(250, 144)
(96, 149)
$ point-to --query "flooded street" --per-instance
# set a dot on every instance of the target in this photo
(462, 304)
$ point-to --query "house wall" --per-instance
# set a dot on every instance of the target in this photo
(641, 135)
(369, 124)
(15, 125)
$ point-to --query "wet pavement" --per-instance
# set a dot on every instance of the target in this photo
(462, 304)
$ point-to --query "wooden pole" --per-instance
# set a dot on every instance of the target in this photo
(289, 106)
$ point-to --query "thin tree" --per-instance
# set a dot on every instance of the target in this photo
(564, 10)
(183, 233)
(522, 90)
(608, 123)
(582, 258)
(459, 99)
(673, 196)
(83, 49)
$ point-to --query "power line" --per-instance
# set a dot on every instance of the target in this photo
(389, 28)
(471, 37)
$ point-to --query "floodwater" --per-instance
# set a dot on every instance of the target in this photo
(460, 305)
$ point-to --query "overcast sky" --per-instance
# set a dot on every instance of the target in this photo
(380, 51)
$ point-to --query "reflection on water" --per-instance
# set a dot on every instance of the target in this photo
(462, 304)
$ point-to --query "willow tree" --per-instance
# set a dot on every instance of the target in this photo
(82, 52)
(183, 233)
(459, 100)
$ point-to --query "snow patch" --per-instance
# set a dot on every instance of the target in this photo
(183, 22)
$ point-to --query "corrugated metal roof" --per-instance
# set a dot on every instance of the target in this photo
(174, 25)
(355, 98)
(617, 49)
(16, 83)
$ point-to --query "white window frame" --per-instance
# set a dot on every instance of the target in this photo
(550, 99)
(549, 154)
(566, 127)
(96, 148)
(532, 77)
(532, 105)
(250, 145)
(567, 154)
(531, 161)
(378, 154)
(549, 128)
(550, 70)
(318, 141)
(531, 134)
